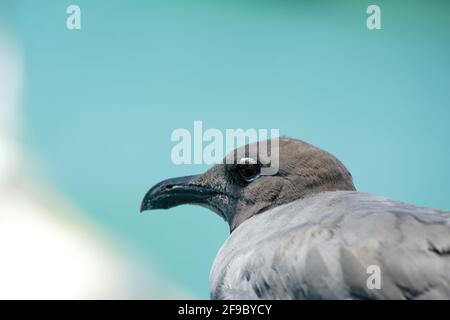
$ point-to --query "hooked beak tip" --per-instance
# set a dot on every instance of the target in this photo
(177, 191)
(144, 206)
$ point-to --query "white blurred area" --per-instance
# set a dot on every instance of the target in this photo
(47, 250)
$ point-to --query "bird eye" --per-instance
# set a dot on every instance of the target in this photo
(248, 169)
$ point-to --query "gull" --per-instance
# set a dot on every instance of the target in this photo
(306, 233)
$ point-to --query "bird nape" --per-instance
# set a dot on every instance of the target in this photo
(306, 233)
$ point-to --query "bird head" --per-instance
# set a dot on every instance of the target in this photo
(237, 189)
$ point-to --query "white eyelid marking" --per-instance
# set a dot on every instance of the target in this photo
(247, 161)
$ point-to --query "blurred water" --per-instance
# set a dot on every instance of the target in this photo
(100, 103)
(48, 249)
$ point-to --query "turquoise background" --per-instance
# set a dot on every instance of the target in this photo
(101, 103)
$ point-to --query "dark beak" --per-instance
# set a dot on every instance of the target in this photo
(174, 192)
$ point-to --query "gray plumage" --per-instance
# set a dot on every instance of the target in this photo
(320, 247)
(305, 233)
